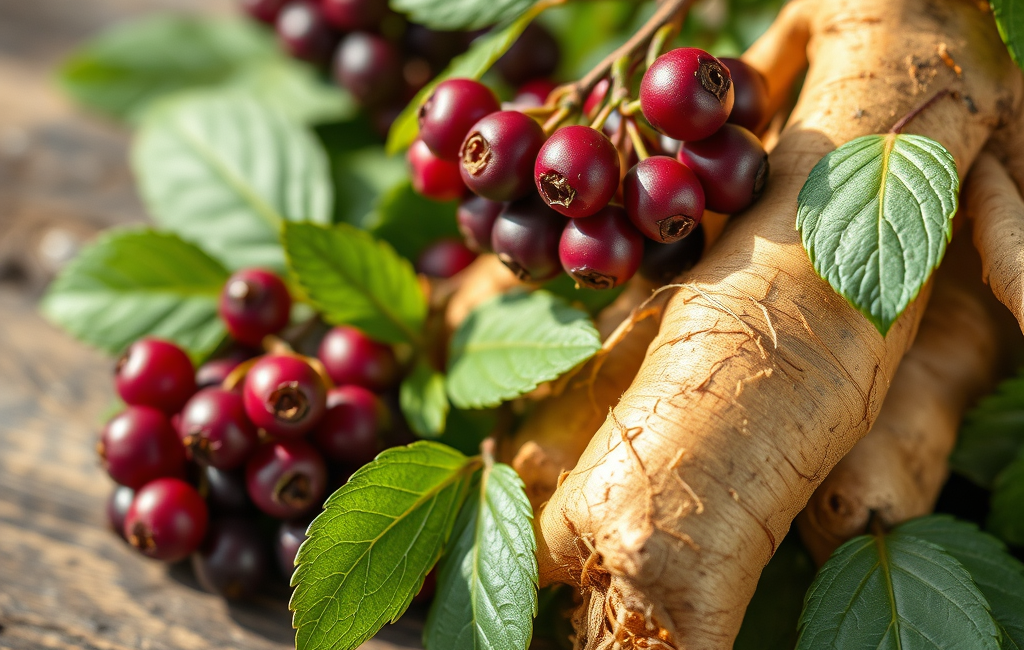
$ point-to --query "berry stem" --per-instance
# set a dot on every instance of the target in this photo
(638, 141)
(628, 109)
(602, 116)
(664, 34)
(556, 119)
(899, 126)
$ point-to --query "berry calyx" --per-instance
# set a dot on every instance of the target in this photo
(215, 429)
(253, 304)
(663, 198)
(732, 167)
(577, 171)
(232, 560)
(138, 445)
(432, 177)
(497, 156)
(351, 357)
(286, 479)
(451, 111)
(602, 251)
(750, 106)
(349, 432)
(686, 94)
(167, 520)
(525, 239)
(157, 373)
(304, 33)
(476, 217)
(284, 395)
(369, 67)
(444, 258)
(664, 262)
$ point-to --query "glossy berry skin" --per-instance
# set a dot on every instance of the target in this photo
(663, 262)
(444, 258)
(750, 107)
(354, 15)
(476, 217)
(167, 520)
(118, 503)
(215, 429)
(351, 357)
(432, 177)
(525, 238)
(138, 445)
(451, 111)
(349, 431)
(290, 536)
(253, 304)
(265, 11)
(534, 55)
(577, 171)
(369, 67)
(731, 165)
(686, 94)
(157, 373)
(232, 561)
(304, 33)
(663, 198)
(225, 491)
(284, 395)
(497, 156)
(602, 251)
(286, 479)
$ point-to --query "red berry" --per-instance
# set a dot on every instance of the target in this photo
(525, 238)
(577, 171)
(534, 93)
(535, 54)
(353, 15)
(663, 262)
(498, 153)
(451, 111)
(663, 198)
(215, 371)
(476, 217)
(603, 251)
(167, 520)
(139, 445)
(215, 429)
(731, 165)
(284, 395)
(596, 96)
(444, 258)
(369, 67)
(351, 357)
(304, 33)
(433, 177)
(286, 479)
(750, 108)
(263, 10)
(349, 431)
(253, 304)
(428, 589)
(686, 94)
(157, 373)
(117, 507)
(290, 536)
(232, 560)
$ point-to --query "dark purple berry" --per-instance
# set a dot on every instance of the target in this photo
(253, 304)
(686, 94)
(750, 108)
(525, 238)
(535, 54)
(215, 429)
(290, 536)
(577, 171)
(139, 445)
(286, 479)
(731, 165)
(664, 262)
(349, 432)
(476, 217)
(167, 520)
(157, 373)
(451, 111)
(232, 560)
(444, 258)
(663, 198)
(265, 11)
(225, 491)
(351, 357)
(432, 177)
(498, 153)
(354, 15)
(117, 507)
(284, 395)
(304, 33)
(369, 67)
(437, 48)
(602, 251)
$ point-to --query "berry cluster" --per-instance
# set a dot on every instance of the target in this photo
(208, 459)
(584, 198)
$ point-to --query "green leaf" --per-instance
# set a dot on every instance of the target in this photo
(424, 401)
(1010, 21)
(895, 591)
(225, 171)
(353, 279)
(461, 14)
(133, 283)
(992, 434)
(875, 216)
(410, 222)
(472, 65)
(772, 615)
(465, 430)
(514, 342)
(128, 67)
(370, 549)
(1006, 519)
(295, 89)
(999, 576)
(487, 584)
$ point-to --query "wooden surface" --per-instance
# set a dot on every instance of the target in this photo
(65, 580)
